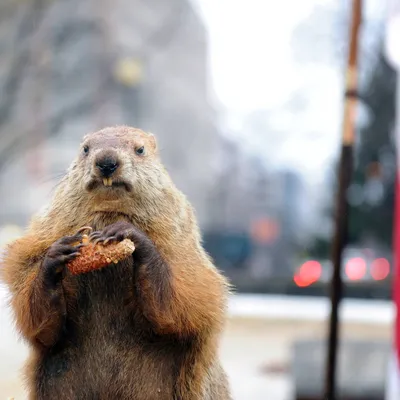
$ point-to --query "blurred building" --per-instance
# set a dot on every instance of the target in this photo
(71, 67)
(292, 195)
(252, 202)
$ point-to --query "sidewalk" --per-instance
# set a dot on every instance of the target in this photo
(260, 332)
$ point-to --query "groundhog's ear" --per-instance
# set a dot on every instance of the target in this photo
(153, 141)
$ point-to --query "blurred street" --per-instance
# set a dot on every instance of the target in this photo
(254, 344)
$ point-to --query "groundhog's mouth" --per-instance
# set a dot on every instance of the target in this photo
(108, 184)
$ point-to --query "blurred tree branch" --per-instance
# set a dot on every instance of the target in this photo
(16, 141)
(18, 65)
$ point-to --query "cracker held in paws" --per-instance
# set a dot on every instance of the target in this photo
(98, 255)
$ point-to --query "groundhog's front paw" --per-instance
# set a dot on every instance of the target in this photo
(58, 255)
(117, 232)
(124, 230)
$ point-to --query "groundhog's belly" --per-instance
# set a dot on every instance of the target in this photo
(108, 351)
(113, 373)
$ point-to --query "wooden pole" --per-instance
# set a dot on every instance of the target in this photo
(341, 220)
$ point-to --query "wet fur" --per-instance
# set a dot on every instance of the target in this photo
(134, 330)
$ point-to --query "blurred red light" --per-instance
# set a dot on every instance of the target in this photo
(308, 273)
(299, 282)
(380, 269)
(356, 268)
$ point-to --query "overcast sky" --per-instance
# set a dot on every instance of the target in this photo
(253, 66)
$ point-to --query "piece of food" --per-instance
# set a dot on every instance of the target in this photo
(97, 255)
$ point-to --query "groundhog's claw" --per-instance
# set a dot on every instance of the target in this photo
(110, 239)
(94, 236)
(98, 237)
(84, 229)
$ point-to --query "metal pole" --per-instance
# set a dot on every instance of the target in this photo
(341, 220)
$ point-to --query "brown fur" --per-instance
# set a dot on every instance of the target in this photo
(132, 330)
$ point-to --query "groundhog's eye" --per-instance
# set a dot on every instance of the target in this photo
(140, 151)
(86, 149)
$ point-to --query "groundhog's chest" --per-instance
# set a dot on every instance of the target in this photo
(108, 350)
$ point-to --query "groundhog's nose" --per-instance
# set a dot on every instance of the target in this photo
(107, 166)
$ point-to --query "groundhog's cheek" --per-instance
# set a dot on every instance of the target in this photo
(131, 176)
(85, 180)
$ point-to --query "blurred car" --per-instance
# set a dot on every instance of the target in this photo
(359, 265)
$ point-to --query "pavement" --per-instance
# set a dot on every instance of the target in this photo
(256, 347)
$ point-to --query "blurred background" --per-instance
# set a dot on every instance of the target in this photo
(246, 99)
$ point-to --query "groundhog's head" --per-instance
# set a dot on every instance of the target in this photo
(118, 163)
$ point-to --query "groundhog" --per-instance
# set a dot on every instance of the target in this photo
(145, 328)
